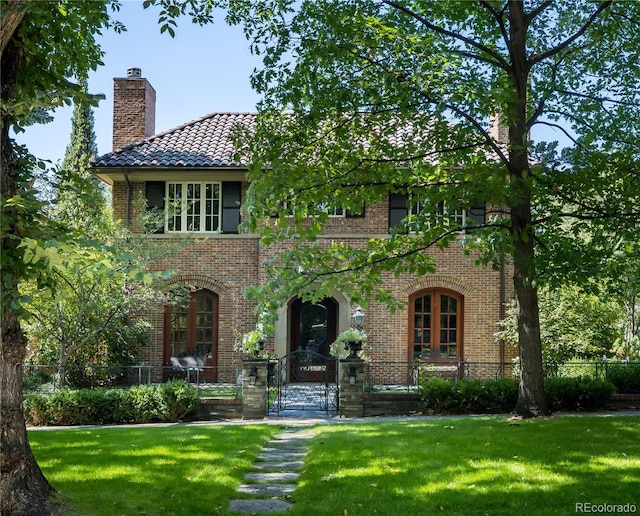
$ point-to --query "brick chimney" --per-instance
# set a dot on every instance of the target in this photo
(497, 130)
(134, 108)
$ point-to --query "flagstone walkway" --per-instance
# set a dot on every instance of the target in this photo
(274, 475)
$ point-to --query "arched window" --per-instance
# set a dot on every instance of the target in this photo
(192, 330)
(435, 326)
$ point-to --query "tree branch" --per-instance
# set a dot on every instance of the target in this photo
(561, 46)
(499, 61)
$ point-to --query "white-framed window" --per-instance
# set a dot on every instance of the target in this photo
(333, 212)
(193, 207)
(456, 217)
(336, 212)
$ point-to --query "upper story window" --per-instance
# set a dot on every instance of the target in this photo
(193, 207)
(401, 207)
(332, 211)
(196, 206)
(457, 217)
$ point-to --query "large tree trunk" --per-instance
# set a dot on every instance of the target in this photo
(531, 397)
(23, 489)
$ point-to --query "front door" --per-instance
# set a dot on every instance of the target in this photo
(313, 329)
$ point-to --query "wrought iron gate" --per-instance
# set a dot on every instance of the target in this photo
(302, 381)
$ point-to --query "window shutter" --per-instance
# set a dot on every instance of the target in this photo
(154, 193)
(477, 215)
(231, 197)
(397, 208)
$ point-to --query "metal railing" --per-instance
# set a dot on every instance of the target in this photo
(217, 381)
(406, 376)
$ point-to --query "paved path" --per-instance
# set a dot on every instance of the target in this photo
(274, 475)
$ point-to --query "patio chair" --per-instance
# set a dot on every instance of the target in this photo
(175, 362)
(191, 363)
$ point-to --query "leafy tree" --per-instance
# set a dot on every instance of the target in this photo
(621, 281)
(574, 324)
(42, 46)
(94, 312)
(365, 98)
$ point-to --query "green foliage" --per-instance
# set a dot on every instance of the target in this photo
(170, 402)
(625, 377)
(438, 394)
(573, 324)
(578, 393)
(469, 396)
(80, 202)
(181, 400)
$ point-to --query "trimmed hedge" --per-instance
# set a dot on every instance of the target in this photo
(581, 393)
(625, 377)
(167, 403)
(469, 396)
(500, 396)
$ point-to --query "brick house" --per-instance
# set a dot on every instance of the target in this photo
(450, 316)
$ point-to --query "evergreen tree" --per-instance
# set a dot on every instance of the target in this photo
(79, 196)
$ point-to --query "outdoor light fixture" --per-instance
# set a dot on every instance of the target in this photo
(358, 318)
(352, 375)
(253, 375)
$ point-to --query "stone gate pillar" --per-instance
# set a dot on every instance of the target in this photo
(254, 389)
(351, 387)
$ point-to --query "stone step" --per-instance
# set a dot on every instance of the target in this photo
(266, 489)
(259, 506)
(285, 449)
(278, 456)
(270, 466)
(269, 478)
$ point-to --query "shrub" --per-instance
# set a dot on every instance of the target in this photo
(500, 396)
(469, 396)
(145, 404)
(36, 409)
(577, 394)
(438, 395)
(181, 400)
(625, 377)
(175, 401)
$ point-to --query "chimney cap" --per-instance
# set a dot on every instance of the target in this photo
(134, 73)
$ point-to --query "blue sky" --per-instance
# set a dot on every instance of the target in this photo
(202, 70)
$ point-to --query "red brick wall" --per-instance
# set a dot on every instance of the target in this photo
(226, 264)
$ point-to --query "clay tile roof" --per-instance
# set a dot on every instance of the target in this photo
(205, 142)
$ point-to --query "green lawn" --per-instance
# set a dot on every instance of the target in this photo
(446, 466)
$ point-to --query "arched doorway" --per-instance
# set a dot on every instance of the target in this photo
(191, 330)
(313, 327)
